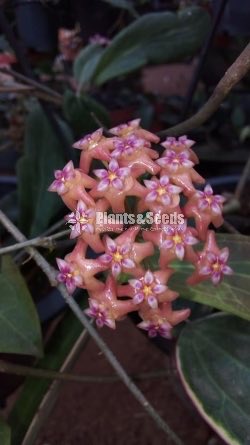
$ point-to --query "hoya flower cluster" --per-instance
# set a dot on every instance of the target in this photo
(131, 172)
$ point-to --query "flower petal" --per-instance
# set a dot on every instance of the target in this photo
(117, 184)
(216, 277)
(180, 251)
(116, 269)
(224, 254)
(148, 277)
(103, 185)
(152, 301)
(128, 263)
(101, 173)
(111, 244)
(151, 196)
(159, 288)
(113, 165)
(138, 298)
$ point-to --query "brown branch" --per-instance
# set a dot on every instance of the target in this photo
(50, 272)
(47, 241)
(32, 82)
(27, 371)
(231, 77)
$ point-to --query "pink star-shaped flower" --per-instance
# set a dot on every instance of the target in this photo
(161, 320)
(211, 263)
(68, 275)
(181, 144)
(84, 224)
(115, 184)
(155, 328)
(94, 146)
(133, 127)
(70, 184)
(151, 289)
(205, 208)
(124, 254)
(162, 195)
(179, 168)
(87, 268)
(105, 307)
(135, 152)
(174, 242)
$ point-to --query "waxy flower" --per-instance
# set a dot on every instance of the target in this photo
(82, 220)
(133, 127)
(69, 275)
(211, 262)
(181, 144)
(94, 146)
(117, 257)
(113, 177)
(162, 195)
(174, 242)
(179, 168)
(87, 268)
(70, 184)
(61, 184)
(154, 328)
(105, 308)
(99, 39)
(85, 224)
(115, 184)
(124, 254)
(151, 288)
(205, 208)
(126, 157)
(161, 320)
(134, 152)
(100, 313)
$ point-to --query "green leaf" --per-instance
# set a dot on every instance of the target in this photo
(9, 205)
(123, 4)
(20, 331)
(153, 38)
(59, 347)
(214, 364)
(78, 111)
(4, 433)
(233, 293)
(43, 154)
(85, 64)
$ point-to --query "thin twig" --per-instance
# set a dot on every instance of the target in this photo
(202, 58)
(51, 274)
(245, 176)
(32, 82)
(27, 371)
(231, 77)
(47, 241)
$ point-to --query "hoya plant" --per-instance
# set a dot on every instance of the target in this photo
(143, 235)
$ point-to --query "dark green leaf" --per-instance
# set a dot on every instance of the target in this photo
(214, 364)
(85, 64)
(79, 112)
(43, 154)
(4, 433)
(233, 294)
(123, 4)
(20, 331)
(57, 350)
(153, 38)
